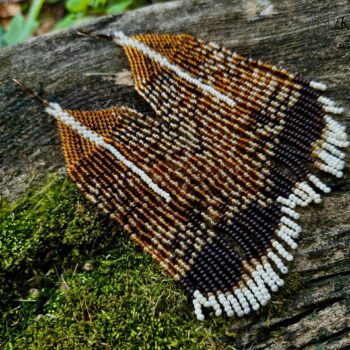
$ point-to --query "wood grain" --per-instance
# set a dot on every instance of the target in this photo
(310, 37)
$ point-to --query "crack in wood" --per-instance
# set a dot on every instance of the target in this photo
(319, 344)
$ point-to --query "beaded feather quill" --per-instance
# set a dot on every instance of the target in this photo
(208, 185)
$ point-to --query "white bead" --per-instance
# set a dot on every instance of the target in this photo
(264, 302)
(200, 317)
(216, 307)
(256, 306)
(226, 303)
(202, 299)
(230, 313)
(280, 282)
(274, 288)
(218, 312)
(244, 304)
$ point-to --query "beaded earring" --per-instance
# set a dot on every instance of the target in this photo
(208, 186)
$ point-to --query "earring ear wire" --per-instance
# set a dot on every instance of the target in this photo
(30, 92)
(95, 36)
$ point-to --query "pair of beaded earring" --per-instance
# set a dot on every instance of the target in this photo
(208, 185)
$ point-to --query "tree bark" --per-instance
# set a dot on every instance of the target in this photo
(309, 37)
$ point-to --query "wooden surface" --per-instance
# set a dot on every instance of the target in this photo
(310, 37)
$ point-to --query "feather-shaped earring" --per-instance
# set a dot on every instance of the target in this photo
(209, 185)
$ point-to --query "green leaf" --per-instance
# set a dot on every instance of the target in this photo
(120, 7)
(77, 5)
(35, 9)
(70, 19)
(20, 30)
(97, 3)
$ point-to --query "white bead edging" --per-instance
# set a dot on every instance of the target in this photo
(56, 111)
(121, 39)
(253, 293)
(318, 86)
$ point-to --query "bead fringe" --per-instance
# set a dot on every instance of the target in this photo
(254, 292)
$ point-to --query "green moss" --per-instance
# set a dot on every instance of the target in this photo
(71, 280)
(292, 284)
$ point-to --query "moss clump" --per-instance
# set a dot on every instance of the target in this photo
(71, 280)
(292, 284)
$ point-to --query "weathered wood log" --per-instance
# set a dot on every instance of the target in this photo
(310, 37)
